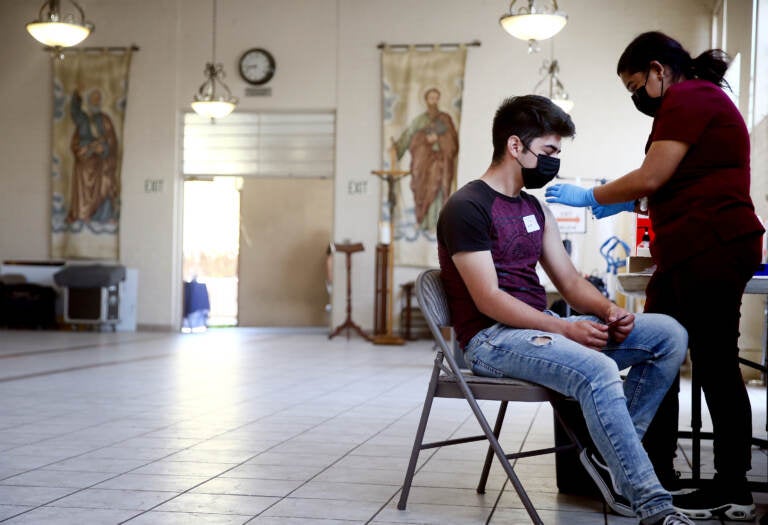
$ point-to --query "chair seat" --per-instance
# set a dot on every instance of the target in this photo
(498, 389)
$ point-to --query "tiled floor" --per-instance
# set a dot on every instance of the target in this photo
(244, 426)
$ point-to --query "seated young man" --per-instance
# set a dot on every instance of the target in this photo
(491, 235)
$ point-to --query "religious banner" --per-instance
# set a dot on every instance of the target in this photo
(421, 97)
(89, 100)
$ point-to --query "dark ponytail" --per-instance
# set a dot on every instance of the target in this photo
(654, 45)
(710, 65)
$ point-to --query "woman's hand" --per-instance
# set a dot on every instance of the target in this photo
(601, 211)
(571, 195)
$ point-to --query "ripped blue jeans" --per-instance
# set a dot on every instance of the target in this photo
(617, 413)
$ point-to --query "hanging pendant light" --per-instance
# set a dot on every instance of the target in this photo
(551, 87)
(213, 99)
(55, 27)
(534, 23)
(207, 101)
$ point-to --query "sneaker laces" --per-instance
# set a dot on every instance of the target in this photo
(676, 519)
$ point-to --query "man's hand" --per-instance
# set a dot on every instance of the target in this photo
(571, 195)
(601, 211)
(588, 333)
(619, 323)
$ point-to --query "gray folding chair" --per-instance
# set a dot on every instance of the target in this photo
(454, 382)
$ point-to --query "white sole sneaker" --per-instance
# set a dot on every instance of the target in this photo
(731, 511)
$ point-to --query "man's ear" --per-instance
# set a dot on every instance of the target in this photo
(514, 146)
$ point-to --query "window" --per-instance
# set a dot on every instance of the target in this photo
(759, 39)
(260, 145)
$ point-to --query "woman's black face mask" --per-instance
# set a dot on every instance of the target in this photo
(545, 170)
(645, 103)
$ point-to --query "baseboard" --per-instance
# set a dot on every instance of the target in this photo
(141, 327)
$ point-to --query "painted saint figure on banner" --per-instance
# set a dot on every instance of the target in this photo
(433, 143)
(94, 187)
(90, 92)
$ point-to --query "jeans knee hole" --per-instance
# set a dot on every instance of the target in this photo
(541, 340)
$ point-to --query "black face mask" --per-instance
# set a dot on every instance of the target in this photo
(546, 169)
(644, 103)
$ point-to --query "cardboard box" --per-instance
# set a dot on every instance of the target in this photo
(637, 264)
(633, 283)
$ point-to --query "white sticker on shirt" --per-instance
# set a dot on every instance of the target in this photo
(531, 225)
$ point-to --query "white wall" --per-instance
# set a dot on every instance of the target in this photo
(327, 59)
(147, 234)
(610, 133)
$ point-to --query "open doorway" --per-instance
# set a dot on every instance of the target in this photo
(258, 214)
(210, 251)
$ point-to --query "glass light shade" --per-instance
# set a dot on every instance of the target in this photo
(533, 26)
(213, 108)
(58, 34)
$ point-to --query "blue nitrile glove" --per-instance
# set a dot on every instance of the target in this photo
(602, 211)
(571, 195)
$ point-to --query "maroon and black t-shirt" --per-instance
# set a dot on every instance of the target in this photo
(706, 202)
(477, 218)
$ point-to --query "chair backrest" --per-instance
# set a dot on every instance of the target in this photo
(434, 305)
(432, 299)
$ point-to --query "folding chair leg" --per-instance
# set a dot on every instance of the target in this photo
(489, 455)
(519, 489)
(419, 439)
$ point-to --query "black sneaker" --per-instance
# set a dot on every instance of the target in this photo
(719, 500)
(602, 477)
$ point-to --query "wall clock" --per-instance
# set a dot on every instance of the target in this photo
(257, 66)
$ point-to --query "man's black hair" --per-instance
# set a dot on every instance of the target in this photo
(528, 117)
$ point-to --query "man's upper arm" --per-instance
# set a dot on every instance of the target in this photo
(478, 273)
(464, 230)
(554, 258)
(463, 226)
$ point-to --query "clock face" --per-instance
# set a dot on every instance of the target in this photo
(257, 66)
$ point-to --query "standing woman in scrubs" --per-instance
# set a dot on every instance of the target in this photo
(707, 245)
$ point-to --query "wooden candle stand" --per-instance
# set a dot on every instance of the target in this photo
(349, 324)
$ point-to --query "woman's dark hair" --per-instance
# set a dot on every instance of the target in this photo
(710, 65)
(528, 117)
